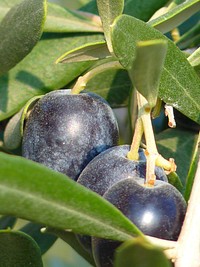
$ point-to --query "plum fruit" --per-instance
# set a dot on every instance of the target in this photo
(111, 166)
(108, 168)
(66, 131)
(157, 211)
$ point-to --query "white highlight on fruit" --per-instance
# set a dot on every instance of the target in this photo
(147, 218)
(73, 128)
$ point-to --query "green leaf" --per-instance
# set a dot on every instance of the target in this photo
(18, 249)
(175, 16)
(190, 38)
(192, 169)
(174, 179)
(179, 84)
(36, 193)
(44, 240)
(139, 9)
(178, 144)
(138, 253)
(87, 52)
(14, 129)
(108, 11)
(7, 222)
(194, 60)
(147, 68)
(12, 133)
(61, 19)
(20, 30)
(37, 73)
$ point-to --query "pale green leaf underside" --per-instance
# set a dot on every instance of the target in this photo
(147, 68)
(34, 192)
(61, 19)
(20, 30)
(175, 16)
(108, 11)
(87, 52)
(179, 84)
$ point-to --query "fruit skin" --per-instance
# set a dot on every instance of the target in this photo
(108, 168)
(157, 211)
(66, 131)
(111, 166)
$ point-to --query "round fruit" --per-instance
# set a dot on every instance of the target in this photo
(108, 168)
(66, 131)
(111, 166)
(157, 211)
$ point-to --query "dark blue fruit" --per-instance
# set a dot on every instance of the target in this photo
(111, 166)
(65, 131)
(108, 168)
(157, 211)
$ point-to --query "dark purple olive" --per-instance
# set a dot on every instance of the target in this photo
(157, 211)
(65, 131)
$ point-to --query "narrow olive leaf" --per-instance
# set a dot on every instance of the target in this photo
(44, 240)
(174, 179)
(192, 169)
(189, 38)
(194, 60)
(60, 19)
(37, 73)
(138, 253)
(12, 133)
(14, 129)
(70, 239)
(7, 221)
(36, 193)
(18, 249)
(108, 11)
(147, 68)
(175, 16)
(87, 52)
(178, 144)
(20, 30)
(179, 83)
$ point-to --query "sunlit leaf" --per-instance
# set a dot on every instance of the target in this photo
(147, 68)
(61, 19)
(175, 16)
(179, 84)
(108, 11)
(87, 52)
(36, 193)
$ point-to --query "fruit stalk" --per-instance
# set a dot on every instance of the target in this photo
(188, 249)
(83, 80)
(151, 151)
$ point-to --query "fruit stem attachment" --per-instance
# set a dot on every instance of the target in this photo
(82, 81)
(188, 249)
(151, 151)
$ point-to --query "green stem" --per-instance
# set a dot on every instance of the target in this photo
(83, 80)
